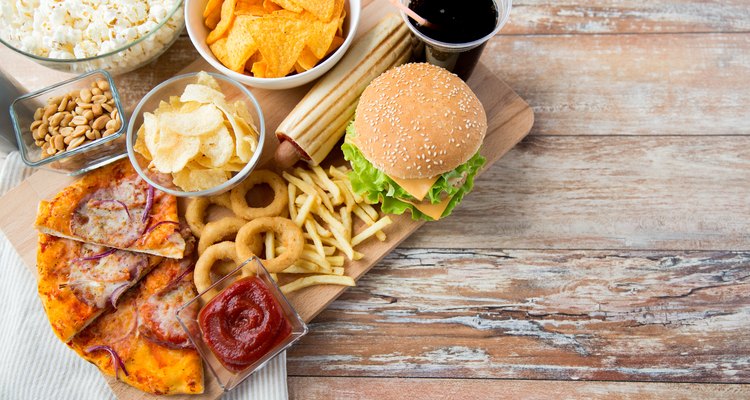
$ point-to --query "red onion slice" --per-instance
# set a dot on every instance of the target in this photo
(177, 280)
(116, 360)
(154, 226)
(117, 293)
(149, 203)
(95, 256)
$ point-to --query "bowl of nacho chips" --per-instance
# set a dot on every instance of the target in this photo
(272, 44)
(197, 134)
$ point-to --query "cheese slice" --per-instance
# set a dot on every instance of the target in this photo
(417, 188)
(434, 211)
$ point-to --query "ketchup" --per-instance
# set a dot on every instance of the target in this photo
(243, 323)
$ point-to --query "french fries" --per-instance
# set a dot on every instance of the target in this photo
(323, 203)
(317, 280)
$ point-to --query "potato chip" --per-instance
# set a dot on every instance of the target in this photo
(201, 94)
(323, 9)
(198, 137)
(217, 147)
(212, 20)
(227, 17)
(240, 108)
(205, 119)
(200, 179)
(150, 133)
(320, 36)
(173, 151)
(207, 80)
(240, 44)
(140, 143)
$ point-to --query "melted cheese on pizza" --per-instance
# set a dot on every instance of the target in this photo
(151, 365)
(95, 281)
(107, 207)
(75, 291)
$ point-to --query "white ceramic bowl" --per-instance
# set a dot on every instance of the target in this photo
(198, 33)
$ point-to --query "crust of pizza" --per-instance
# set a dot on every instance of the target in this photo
(117, 196)
(67, 311)
(151, 367)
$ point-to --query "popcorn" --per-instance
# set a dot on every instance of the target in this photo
(75, 29)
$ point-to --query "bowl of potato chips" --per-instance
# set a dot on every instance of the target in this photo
(272, 44)
(198, 134)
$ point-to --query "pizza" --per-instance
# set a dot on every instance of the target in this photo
(114, 207)
(78, 281)
(141, 342)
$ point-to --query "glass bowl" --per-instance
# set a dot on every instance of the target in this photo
(187, 318)
(233, 91)
(198, 33)
(124, 59)
(89, 156)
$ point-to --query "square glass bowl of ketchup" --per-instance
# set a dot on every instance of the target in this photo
(240, 323)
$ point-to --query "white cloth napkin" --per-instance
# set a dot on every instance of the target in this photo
(34, 364)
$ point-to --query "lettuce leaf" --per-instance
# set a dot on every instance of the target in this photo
(376, 186)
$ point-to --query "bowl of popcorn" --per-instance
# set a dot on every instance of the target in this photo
(83, 35)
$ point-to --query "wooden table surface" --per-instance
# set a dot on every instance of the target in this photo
(606, 256)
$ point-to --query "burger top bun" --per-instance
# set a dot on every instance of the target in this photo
(418, 121)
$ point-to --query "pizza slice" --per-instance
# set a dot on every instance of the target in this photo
(141, 342)
(114, 207)
(79, 281)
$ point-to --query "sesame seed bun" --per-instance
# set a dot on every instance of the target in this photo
(418, 121)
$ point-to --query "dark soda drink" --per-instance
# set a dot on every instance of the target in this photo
(459, 30)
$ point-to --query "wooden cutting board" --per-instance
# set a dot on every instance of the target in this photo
(509, 120)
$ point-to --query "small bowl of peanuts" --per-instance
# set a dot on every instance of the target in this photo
(71, 127)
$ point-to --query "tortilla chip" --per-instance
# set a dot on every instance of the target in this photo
(227, 18)
(240, 44)
(323, 9)
(250, 7)
(289, 5)
(219, 48)
(280, 40)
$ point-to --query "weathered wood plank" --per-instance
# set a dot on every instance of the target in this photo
(606, 192)
(560, 315)
(337, 388)
(629, 84)
(627, 16)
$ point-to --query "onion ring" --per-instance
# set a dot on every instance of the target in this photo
(195, 214)
(206, 262)
(249, 237)
(223, 200)
(277, 206)
(220, 230)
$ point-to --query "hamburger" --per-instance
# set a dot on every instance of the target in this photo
(414, 143)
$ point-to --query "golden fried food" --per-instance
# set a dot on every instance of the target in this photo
(195, 214)
(289, 234)
(221, 230)
(277, 206)
(209, 258)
